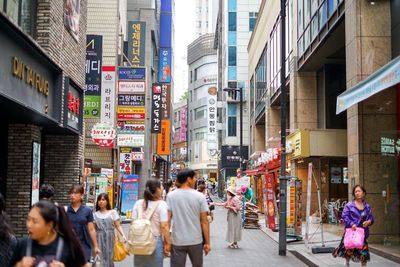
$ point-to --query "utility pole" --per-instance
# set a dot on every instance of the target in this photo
(282, 178)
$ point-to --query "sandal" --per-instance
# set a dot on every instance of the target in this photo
(235, 246)
(231, 246)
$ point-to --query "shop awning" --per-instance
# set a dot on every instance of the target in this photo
(255, 170)
(380, 80)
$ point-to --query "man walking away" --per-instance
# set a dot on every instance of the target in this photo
(190, 228)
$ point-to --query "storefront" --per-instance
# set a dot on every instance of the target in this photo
(41, 124)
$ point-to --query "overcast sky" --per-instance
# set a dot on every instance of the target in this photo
(184, 35)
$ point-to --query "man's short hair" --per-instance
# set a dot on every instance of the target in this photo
(46, 192)
(184, 175)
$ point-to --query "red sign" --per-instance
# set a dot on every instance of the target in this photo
(130, 116)
(270, 197)
(73, 103)
(103, 134)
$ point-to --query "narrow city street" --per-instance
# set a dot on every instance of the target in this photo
(256, 249)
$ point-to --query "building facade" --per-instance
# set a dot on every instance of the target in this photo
(206, 16)
(202, 139)
(42, 76)
(331, 46)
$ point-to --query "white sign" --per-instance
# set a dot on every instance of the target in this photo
(243, 181)
(137, 156)
(35, 172)
(103, 134)
(130, 140)
(212, 137)
(131, 87)
(107, 94)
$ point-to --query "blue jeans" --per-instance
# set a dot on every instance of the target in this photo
(154, 260)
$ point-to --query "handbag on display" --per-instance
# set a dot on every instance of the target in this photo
(119, 249)
(354, 238)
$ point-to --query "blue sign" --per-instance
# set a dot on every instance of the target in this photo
(164, 68)
(165, 30)
(131, 73)
(130, 194)
(166, 6)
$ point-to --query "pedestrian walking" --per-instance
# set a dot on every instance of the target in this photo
(234, 206)
(153, 207)
(190, 230)
(51, 240)
(203, 189)
(106, 221)
(169, 187)
(8, 242)
(356, 213)
(82, 220)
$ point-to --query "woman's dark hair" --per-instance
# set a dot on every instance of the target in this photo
(61, 223)
(201, 187)
(150, 190)
(105, 196)
(184, 175)
(361, 187)
(168, 185)
(5, 228)
(46, 192)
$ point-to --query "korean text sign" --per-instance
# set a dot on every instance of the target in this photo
(156, 108)
(136, 42)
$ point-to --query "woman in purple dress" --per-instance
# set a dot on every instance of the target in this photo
(356, 213)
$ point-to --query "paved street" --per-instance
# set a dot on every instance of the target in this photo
(256, 249)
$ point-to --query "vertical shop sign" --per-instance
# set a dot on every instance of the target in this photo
(156, 109)
(94, 54)
(164, 67)
(130, 194)
(165, 101)
(107, 94)
(136, 42)
(163, 138)
(35, 172)
(212, 120)
(110, 185)
(183, 122)
(125, 160)
(270, 197)
(293, 220)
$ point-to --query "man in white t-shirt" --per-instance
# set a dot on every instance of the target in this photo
(190, 230)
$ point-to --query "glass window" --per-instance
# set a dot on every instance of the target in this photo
(300, 15)
(232, 56)
(314, 27)
(323, 16)
(307, 11)
(232, 73)
(12, 9)
(231, 119)
(231, 5)
(314, 6)
(231, 38)
(252, 23)
(232, 21)
(332, 4)
(200, 112)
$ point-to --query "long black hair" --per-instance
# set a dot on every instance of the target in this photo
(5, 228)
(61, 223)
(150, 190)
(105, 196)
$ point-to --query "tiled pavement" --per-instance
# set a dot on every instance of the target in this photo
(256, 249)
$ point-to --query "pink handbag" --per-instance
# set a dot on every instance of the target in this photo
(354, 239)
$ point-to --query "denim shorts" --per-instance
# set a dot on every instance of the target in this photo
(154, 260)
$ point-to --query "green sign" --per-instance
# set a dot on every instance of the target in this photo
(92, 106)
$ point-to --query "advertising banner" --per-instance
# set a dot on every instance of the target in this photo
(164, 67)
(183, 125)
(156, 109)
(163, 138)
(293, 220)
(212, 133)
(131, 87)
(165, 30)
(125, 160)
(110, 186)
(136, 42)
(72, 14)
(103, 134)
(131, 73)
(131, 127)
(270, 202)
(134, 100)
(92, 106)
(73, 110)
(165, 101)
(94, 54)
(101, 184)
(130, 110)
(131, 117)
(35, 172)
(129, 194)
(107, 94)
(137, 156)
(130, 140)
(90, 191)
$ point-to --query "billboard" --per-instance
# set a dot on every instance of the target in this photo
(129, 194)
(134, 100)
(72, 14)
(136, 42)
(164, 68)
(131, 87)
(94, 54)
(165, 30)
(130, 140)
(156, 108)
(165, 101)
(108, 94)
(131, 73)
(131, 127)
(163, 138)
(212, 133)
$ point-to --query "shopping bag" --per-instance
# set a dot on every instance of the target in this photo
(97, 262)
(354, 238)
(119, 250)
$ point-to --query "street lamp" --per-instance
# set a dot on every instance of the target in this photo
(240, 90)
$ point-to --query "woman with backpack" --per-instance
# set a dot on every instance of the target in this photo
(153, 208)
(106, 221)
(51, 241)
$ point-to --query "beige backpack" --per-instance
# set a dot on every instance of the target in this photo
(142, 241)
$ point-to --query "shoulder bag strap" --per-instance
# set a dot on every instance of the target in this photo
(153, 210)
(29, 247)
(60, 246)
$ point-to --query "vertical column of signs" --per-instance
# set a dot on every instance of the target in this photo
(131, 110)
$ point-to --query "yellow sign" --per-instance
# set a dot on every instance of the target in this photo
(298, 145)
(130, 110)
